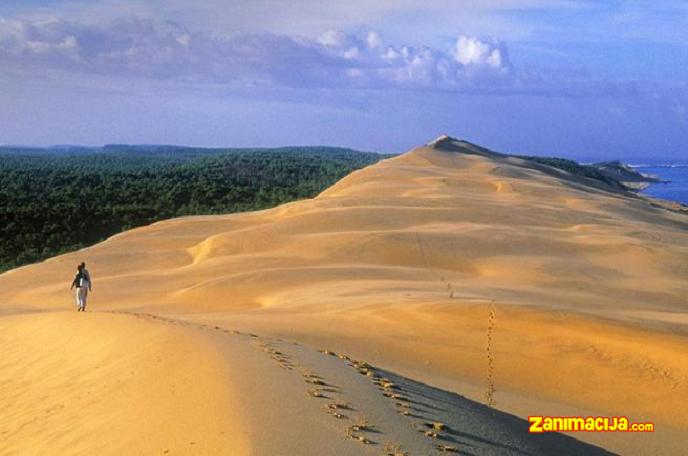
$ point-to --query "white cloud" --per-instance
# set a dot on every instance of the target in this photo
(145, 49)
(471, 51)
(171, 52)
(427, 20)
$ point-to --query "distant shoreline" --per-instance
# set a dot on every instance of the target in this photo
(674, 182)
(664, 165)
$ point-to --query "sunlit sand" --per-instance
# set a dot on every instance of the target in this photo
(356, 322)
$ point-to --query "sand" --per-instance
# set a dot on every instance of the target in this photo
(462, 275)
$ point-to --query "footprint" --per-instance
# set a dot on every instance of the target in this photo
(436, 425)
(339, 406)
(318, 393)
(337, 415)
(362, 439)
(359, 438)
(362, 426)
(392, 449)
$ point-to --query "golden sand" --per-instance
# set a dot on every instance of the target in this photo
(448, 264)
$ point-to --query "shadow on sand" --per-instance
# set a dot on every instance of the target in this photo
(480, 430)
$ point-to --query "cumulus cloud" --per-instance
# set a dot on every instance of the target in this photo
(472, 51)
(142, 48)
(169, 51)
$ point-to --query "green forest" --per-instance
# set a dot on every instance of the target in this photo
(58, 200)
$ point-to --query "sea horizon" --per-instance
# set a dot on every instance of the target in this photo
(675, 175)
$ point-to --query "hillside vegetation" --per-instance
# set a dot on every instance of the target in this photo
(57, 200)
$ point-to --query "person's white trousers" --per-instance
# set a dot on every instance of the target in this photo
(81, 296)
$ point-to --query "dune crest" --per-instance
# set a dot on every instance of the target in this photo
(409, 264)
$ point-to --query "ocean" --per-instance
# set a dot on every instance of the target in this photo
(675, 190)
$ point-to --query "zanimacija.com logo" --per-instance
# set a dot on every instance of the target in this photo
(540, 424)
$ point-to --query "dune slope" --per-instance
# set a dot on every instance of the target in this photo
(450, 264)
(137, 383)
(76, 384)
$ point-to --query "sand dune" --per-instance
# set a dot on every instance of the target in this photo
(112, 384)
(472, 271)
(137, 383)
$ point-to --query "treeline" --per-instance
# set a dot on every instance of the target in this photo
(57, 200)
(594, 171)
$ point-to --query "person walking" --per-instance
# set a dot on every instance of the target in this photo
(82, 282)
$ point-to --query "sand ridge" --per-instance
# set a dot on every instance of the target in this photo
(167, 397)
(410, 262)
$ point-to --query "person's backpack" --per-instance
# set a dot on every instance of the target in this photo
(82, 280)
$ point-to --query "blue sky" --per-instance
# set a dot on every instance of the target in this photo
(590, 80)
